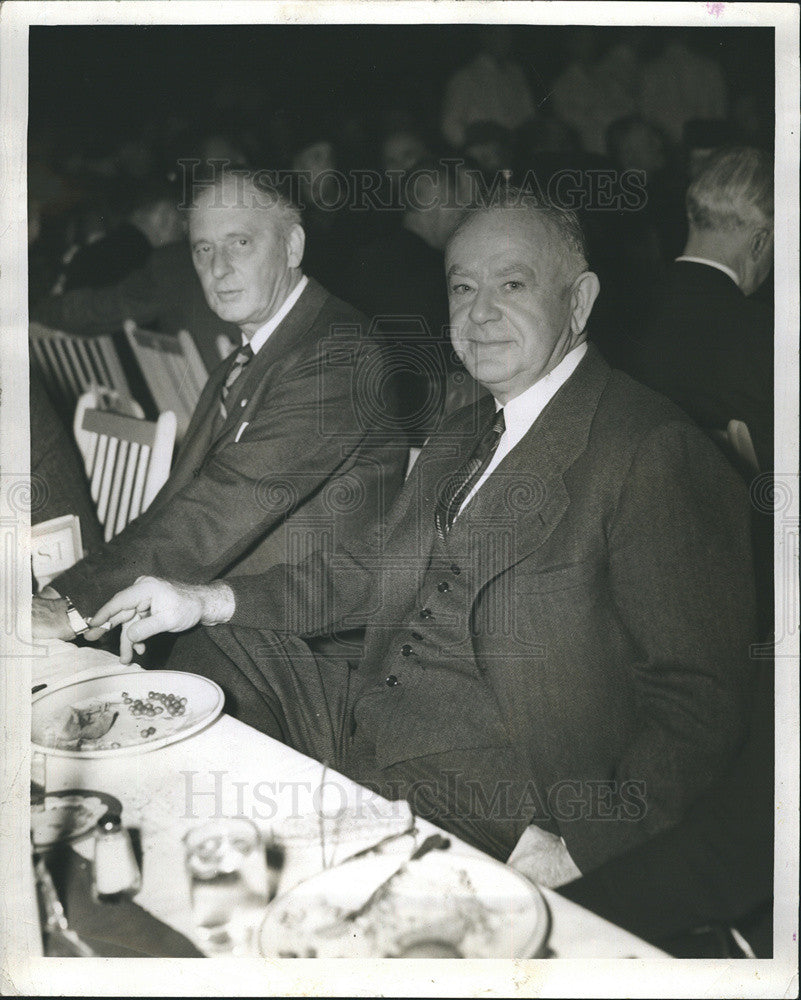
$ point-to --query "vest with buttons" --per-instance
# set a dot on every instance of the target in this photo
(428, 694)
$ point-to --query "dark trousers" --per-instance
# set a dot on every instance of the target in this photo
(303, 695)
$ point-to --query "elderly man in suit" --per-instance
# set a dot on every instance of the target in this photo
(705, 341)
(558, 609)
(281, 453)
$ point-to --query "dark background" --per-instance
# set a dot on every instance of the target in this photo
(99, 77)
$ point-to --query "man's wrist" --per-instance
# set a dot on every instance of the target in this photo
(218, 603)
(78, 623)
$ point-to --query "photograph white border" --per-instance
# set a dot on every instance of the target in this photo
(23, 974)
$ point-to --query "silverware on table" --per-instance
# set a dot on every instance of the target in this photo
(55, 919)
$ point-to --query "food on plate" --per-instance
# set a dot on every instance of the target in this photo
(427, 902)
(85, 725)
(103, 724)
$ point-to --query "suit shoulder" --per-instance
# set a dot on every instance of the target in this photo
(334, 310)
(629, 412)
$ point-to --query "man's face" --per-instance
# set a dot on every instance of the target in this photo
(510, 308)
(242, 258)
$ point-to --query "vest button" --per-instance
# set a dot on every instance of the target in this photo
(426, 613)
(406, 649)
(392, 680)
(443, 587)
(456, 570)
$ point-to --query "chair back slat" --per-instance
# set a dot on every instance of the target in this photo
(138, 491)
(70, 364)
(172, 368)
(127, 461)
(124, 505)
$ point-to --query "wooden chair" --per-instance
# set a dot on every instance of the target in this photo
(172, 368)
(70, 364)
(100, 398)
(127, 461)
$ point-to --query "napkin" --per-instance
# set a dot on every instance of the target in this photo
(118, 930)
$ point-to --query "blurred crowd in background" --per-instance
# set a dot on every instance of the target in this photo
(613, 122)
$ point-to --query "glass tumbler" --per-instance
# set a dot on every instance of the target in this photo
(227, 881)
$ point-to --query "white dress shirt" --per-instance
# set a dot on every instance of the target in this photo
(520, 413)
(712, 263)
(262, 335)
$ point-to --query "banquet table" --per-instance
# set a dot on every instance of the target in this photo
(229, 768)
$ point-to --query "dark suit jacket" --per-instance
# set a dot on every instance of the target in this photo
(296, 461)
(716, 866)
(612, 602)
(709, 349)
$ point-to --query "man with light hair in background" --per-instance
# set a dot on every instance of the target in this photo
(706, 341)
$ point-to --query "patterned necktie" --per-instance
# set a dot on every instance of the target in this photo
(243, 356)
(457, 487)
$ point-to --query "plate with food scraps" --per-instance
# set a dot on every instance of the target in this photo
(440, 905)
(69, 814)
(124, 713)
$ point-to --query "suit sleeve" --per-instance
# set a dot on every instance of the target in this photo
(241, 492)
(716, 866)
(100, 311)
(681, 580)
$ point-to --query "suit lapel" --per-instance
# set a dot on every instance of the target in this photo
(412, 514)
(525, 498)
(295, 325)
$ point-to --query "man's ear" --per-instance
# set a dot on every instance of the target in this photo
(295, 243)
(583, 294)
(758, 243)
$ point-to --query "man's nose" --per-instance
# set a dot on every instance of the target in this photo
(220, 265)
(483, 308)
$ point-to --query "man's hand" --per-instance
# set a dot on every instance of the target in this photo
(543, 857)
(152, 606)
(49, 619)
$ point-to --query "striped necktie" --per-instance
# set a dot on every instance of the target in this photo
(243, 356)
(457, 487)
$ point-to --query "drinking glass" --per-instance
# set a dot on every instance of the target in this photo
(227, 881)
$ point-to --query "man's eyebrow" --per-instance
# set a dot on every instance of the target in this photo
(457, 269)
(232, 235)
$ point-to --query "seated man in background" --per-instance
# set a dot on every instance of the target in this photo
(280, 448)
(559, 611)
(152, 221)
(704, 343)
(397, 282)
(164, 292)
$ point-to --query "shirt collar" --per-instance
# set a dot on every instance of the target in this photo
(261, 336)
(712, 263)
(521, 412)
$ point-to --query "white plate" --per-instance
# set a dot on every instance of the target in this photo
(479, 906)
(53, 709)
(69, 815)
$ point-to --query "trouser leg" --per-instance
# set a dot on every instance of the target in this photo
(274, 683)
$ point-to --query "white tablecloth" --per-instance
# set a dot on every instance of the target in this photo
(230, 769)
